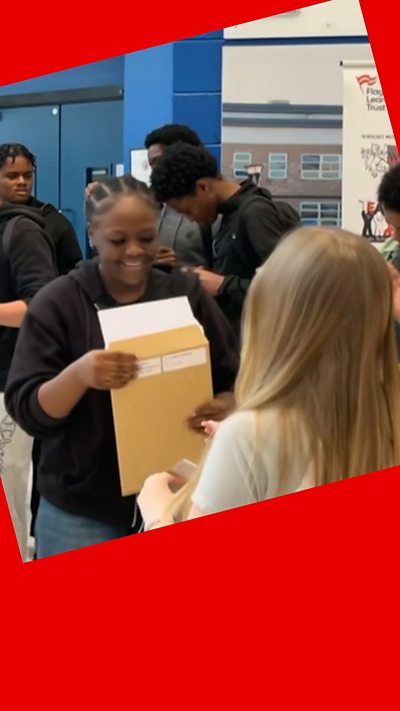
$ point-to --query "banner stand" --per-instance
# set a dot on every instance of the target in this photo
(369, 150)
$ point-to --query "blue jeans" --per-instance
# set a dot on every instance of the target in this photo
(57, 531)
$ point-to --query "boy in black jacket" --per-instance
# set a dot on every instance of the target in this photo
(59, 383)
(26, 265)
(187, 179)
(17, 166)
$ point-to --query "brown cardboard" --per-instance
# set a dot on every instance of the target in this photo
(150, 413)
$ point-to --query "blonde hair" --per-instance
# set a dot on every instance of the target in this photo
(319, 348)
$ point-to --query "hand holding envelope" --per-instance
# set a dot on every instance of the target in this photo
(210, 427)
(173, 369)
(216, 409)
(105, 370)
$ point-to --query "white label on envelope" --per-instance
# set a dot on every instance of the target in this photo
(184, 359)
(150, 366)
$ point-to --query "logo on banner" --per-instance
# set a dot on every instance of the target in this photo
(366, 80)
(375, 101)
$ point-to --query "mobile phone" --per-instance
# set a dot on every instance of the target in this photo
(184, 468)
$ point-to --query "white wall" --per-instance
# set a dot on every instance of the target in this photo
(335, 18)
(246, 136)
(303, 74)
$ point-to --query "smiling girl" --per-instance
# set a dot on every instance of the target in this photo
(58, 388)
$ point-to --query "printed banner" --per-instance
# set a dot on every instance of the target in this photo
(369, 149)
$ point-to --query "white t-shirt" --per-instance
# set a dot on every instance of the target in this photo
(236, 474)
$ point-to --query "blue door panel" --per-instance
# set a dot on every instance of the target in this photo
(38, 128)
(91, 137)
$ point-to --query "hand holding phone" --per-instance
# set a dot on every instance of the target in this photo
(184, 469)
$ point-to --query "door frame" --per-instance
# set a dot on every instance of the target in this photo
(68, 96)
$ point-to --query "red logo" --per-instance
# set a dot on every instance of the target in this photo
(366, 80)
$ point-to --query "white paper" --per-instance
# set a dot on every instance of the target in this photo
(148, 367)
(125, 322)
(184, 359)
(140, 168)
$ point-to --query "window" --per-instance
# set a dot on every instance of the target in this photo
(277, 166)
(325, 166)
(321, 213)
(240, 163)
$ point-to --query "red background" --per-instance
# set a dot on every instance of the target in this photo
(291, 603)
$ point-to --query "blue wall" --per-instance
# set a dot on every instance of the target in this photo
(107, 73)
(178, 82)
(148, 94)
(198, 87)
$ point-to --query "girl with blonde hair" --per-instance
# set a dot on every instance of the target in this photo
(318, 390)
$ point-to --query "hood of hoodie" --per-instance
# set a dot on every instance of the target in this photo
(10, 210)
(162, 283)
(43, 207)
(86, 274)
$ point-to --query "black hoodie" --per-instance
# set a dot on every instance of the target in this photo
(78, 469)
(250, 228)
(59, 229)
(25, 268)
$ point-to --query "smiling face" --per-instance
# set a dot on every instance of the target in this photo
(125, 237)
(16, 179)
